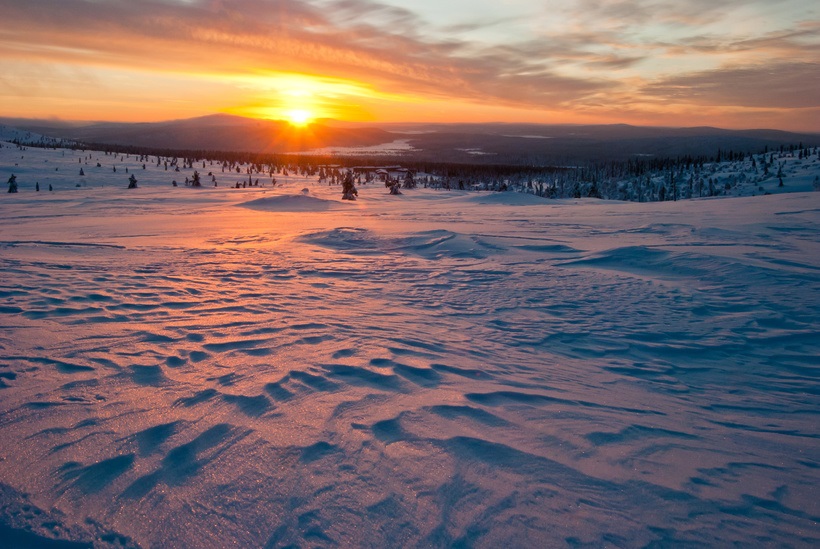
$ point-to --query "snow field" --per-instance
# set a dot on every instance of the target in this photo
(268, 367)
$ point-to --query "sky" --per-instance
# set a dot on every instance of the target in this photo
(727, 63)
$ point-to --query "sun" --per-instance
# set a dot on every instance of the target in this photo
(299, 117)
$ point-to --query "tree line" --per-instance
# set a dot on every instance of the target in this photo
(636, 179)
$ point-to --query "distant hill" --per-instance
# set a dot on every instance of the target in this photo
(513, 144)
(217, 132)
(536, 144)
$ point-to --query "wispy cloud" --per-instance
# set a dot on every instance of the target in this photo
(561, 56)
(781, 86)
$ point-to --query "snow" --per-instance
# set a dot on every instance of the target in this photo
(395, 147)
(264, 367)
(290, 203)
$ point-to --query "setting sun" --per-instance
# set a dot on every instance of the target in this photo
(299, 117)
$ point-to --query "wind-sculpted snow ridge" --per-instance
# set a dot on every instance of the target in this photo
(434, 244)
(422, 370)
(508, 198)
(290, 203)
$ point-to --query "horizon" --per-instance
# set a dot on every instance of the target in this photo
(13, 121)
(739, 66)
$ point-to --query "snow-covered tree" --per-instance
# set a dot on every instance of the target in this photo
(132, 182)
(13, 183)
(349, 191)
(409, 181)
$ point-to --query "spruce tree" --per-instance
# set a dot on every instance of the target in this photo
(409, 180)
(13, 183)
(349, 191)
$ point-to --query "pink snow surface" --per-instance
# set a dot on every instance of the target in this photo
(265, 367)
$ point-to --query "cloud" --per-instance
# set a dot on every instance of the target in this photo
(355, 39)
(565, 55)
(781, 86)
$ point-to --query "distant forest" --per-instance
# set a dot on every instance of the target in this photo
(637, 179)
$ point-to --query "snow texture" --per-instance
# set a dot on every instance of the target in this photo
(263, 368)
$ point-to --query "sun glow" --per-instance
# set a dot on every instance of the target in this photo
(299, 117)
(302, 99)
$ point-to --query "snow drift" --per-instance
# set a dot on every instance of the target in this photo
(426, 370)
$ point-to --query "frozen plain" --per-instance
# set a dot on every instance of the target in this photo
(267, 367)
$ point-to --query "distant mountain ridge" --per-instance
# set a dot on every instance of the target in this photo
(218, 132)
(487, 143)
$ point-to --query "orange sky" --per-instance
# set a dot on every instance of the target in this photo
(737, 64)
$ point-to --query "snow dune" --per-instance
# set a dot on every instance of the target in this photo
(260, 367)
(290, 203)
